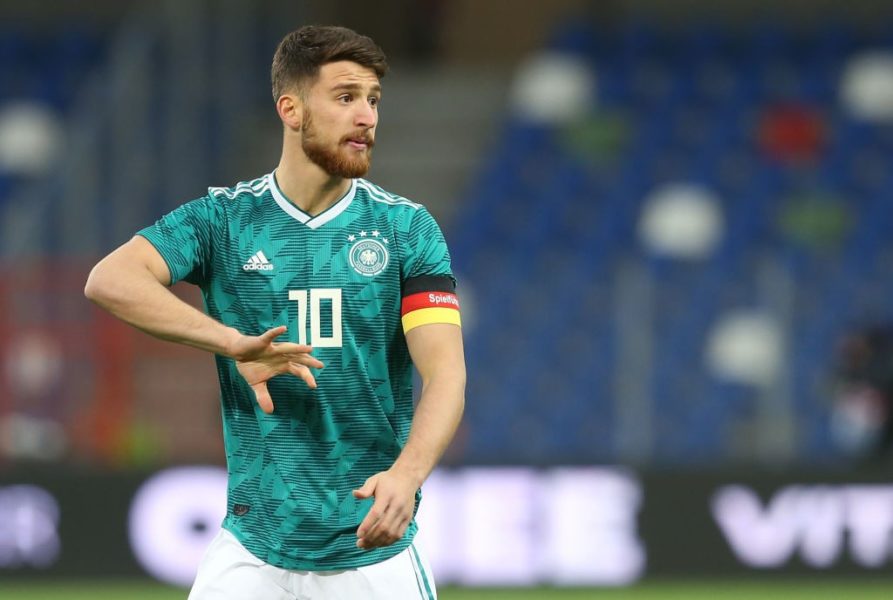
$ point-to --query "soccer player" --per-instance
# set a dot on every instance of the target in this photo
(321, 290)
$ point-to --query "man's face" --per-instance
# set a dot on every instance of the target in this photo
(340, 115)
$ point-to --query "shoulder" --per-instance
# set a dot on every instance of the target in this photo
(244, 190)
(377, 194)
(402, 212)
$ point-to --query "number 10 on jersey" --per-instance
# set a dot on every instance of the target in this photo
(317, 340)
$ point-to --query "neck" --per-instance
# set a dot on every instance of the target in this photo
(306, 185)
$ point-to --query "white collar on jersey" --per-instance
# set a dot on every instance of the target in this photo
(320, 219)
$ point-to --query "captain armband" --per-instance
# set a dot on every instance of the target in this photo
(429, 299)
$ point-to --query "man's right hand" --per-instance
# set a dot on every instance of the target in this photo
(259, 359)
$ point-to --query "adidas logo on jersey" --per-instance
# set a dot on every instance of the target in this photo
(258, 262)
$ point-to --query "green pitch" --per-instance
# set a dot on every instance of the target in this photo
(722, 590)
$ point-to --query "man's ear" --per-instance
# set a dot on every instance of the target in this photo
(291, 110)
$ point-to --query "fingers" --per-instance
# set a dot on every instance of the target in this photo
(308, 360)
(384, 528)
(263, 397)
(386, 521)
(372, 517)
(291, 348)
(302, 372)
(271, 334)
(274, 359)
(368, 489)
(299, 353)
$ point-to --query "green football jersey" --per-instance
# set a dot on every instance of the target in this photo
(336, 280)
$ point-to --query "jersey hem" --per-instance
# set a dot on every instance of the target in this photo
(381, 555)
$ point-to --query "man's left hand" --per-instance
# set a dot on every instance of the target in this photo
(394, 493)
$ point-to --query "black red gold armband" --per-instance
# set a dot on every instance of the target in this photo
(429, 299)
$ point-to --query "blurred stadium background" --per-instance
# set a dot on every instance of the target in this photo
(671, 224)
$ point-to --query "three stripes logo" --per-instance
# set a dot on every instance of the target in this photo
(258, 262)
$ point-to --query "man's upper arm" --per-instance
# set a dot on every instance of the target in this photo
(429, 306)
(135, 257)
(437, 348)
(134, 254)
(140, 251)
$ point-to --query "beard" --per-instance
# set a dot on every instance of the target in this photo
(336, 161)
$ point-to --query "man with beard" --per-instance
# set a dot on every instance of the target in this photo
(321, 290)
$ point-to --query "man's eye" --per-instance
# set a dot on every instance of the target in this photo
(373, 101)
(344, 98)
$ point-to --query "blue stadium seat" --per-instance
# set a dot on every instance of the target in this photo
(548, 229)
(45, 68)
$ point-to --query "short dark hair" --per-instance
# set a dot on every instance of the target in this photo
(302, 52)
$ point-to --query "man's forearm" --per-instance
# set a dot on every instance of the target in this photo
(436, 419)
(135, 296)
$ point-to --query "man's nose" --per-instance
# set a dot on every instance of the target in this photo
(366, 115)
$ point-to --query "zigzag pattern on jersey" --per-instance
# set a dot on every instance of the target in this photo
(296, 468)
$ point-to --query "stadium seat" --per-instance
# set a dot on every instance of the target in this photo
(546, 226)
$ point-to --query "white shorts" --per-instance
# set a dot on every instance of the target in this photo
(230, 572)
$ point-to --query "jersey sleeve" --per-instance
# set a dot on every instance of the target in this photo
(429, 287)
(184, 239)
(427, 252)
